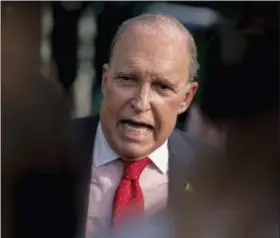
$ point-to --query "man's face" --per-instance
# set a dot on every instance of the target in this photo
(144, 89)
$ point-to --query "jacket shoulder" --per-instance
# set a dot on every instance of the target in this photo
(84, 124)
(187, 151)
(181, 140)
(83, 132)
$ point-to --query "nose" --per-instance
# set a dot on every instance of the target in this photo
(141, 102)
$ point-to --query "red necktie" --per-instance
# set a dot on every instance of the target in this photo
(128, 197)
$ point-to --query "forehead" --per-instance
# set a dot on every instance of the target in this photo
(148, 50)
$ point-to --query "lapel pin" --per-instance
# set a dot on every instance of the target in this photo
(188, 187)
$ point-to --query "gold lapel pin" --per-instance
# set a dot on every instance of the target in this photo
(189, 187)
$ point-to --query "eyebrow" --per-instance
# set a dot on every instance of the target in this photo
(128, 73)
(156, 77)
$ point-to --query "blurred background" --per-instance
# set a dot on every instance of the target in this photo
(67, 43)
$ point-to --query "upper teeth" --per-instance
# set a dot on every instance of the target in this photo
(138, 129)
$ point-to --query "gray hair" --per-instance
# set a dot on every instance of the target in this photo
(161, 20)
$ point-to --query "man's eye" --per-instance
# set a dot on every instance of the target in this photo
(163, 87)
(125, 78)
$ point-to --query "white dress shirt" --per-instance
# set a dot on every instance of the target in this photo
(106, 175)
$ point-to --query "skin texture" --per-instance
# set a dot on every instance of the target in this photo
(146, 81)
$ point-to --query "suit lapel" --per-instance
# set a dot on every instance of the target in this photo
(181, 158)
(84, 134)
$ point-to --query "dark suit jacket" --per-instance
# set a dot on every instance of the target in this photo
(183, 152)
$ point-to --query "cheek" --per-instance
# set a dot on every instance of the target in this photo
(114, 98)
(167, 109)
(171, 105)
(175, 103)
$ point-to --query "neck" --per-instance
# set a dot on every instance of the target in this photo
(131, 159)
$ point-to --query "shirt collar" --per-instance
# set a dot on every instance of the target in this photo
(103, 153)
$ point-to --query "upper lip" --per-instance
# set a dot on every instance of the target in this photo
(138, 121)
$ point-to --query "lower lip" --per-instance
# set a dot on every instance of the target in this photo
(135, 133)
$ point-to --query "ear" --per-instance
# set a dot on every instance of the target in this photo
(188, 97)
(105, 73)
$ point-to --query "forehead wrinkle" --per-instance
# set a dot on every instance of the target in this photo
(174, 47)
(143, 56)
(150, 76)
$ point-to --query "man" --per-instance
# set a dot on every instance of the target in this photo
(147, 83)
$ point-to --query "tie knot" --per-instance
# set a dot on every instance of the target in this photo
(133, 170)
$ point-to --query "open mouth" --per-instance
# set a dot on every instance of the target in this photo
(136, 126)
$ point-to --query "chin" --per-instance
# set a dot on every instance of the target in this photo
(134, 152)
